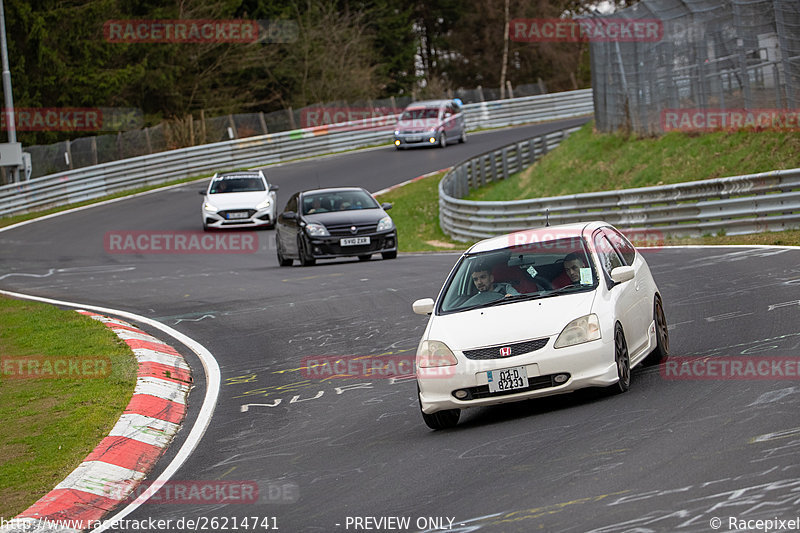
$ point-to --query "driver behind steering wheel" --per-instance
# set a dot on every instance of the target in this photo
(483, 279)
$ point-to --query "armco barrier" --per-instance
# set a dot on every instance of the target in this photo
(769, 201)
(93, 182)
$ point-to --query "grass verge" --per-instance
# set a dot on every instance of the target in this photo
(49, 425)
(589, 162)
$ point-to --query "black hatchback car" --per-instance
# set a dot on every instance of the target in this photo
(336, 222)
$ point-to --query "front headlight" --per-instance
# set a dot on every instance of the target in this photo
(434, 354)
(385, 223)
(580, 330)
(207, 206)
(397, 132)
(263, 205)
(316, 230)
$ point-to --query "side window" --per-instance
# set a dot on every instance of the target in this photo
(622, 245)
(291, 205)
(608, 256)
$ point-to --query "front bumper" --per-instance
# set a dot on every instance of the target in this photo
(590, 364)
(330, 247)
(405, 139)
(239, 218)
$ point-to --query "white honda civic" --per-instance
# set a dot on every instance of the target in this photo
(535, 313)
(239, 200)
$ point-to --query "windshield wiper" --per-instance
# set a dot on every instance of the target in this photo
(514, 298)
(555, 292)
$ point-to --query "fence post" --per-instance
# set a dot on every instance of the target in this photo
(504, 159)
(68, 153)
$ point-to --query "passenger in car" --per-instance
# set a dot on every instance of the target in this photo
(573, 262)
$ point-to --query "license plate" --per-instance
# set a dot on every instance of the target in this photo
(237, 215)
(414, 139)
(354, 241)
(507, 379)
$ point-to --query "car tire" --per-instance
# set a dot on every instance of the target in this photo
(282, 261)
(365, 257)
(305, 260)
(463, 137)
(441, 419)
(389, 255)
(442, 140)
(661, 352)
(622, 359)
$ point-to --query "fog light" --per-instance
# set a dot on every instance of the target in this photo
(432, 140)
(460, 394)
(561, 378)
(397, 143)
(317, 250)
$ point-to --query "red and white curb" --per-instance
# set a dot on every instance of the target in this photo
(111, 472)
(412, 180)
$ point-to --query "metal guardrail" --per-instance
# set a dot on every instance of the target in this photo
(93, 182)
(769, 201)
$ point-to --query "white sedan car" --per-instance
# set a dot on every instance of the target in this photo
(239, 200)
(535, 313)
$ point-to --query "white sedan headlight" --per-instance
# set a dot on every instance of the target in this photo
(435, 353)
(263, 205)
(385, 223)
(316, 230)
(580, 330)
(207, 206)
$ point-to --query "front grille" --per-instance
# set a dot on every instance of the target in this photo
(224, 214)
(516, 349)
(342, 230)
(538, 382)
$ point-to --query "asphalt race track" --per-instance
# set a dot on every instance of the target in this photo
(668, 455)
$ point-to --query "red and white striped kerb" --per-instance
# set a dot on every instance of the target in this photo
(122, 460)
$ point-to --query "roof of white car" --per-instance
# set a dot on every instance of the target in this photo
(532, 235)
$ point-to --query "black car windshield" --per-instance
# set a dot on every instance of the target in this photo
(326, 202)
(537, 270)
(420, 113)
(226, 184)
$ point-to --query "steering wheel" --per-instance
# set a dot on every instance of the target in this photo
(483, 298)
(543, 283)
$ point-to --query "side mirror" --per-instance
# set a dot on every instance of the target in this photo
(622, 274)
(273, 187)
(202, 193)
(386, 206)
(423, 306)
(288, 215)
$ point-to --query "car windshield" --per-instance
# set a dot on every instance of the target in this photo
(226, 184)
(537, 270)
(420, 113)
(326, 202)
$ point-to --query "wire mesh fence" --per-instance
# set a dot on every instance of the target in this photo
(194, 130)
(716, 62)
